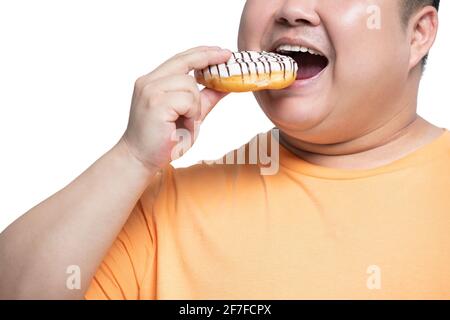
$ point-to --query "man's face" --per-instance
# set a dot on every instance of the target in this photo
(356, 88)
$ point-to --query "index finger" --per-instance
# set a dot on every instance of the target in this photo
(194, 59)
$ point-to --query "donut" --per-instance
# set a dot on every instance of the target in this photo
(250, 71)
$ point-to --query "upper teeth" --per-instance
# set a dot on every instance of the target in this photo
(286, 47)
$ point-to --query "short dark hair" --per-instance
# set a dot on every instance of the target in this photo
(410, 7)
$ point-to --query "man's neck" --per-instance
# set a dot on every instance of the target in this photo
(403, 135)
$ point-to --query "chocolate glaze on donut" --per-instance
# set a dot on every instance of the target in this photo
(255, 71)
(251, 57)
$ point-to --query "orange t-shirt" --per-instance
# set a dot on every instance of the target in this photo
(223, 231)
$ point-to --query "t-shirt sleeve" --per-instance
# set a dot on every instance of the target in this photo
(128, 270)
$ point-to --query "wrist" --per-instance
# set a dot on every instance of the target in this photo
(127, 155)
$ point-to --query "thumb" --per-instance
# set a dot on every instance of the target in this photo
(208, 100)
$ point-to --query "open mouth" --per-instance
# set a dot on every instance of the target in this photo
(310, 62)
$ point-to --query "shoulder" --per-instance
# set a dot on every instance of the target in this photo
(250, 159)
(238, 167)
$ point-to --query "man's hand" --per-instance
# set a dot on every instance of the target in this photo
(167, 99)
(78, 224)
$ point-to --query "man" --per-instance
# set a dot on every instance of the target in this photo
(358, 207)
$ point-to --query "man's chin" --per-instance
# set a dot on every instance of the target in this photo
(297, 115)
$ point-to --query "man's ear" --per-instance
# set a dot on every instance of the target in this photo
(423, 28)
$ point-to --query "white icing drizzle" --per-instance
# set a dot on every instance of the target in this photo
(252, 63)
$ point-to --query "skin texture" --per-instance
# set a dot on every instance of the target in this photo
(366, 98)
(360, 113)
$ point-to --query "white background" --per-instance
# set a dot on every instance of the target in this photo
(67, 70)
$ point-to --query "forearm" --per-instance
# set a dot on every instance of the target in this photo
(75, 226)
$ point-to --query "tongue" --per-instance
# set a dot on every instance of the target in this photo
(308, 71)
(309, 65)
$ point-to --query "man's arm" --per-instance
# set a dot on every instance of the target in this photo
(78, 224)
(75, 226)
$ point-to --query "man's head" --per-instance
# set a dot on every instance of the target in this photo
(369, 72)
